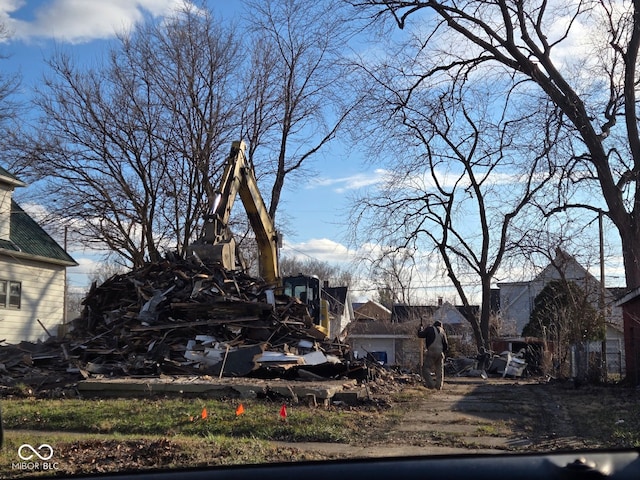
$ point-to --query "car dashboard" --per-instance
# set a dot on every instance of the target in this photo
(615, 465)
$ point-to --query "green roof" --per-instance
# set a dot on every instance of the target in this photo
(28, 237)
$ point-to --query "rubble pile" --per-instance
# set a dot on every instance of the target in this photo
(181, 317)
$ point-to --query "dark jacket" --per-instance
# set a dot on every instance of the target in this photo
(432, 334)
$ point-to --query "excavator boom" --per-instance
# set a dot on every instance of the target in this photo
(217, 244)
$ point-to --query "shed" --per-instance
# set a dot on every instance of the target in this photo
(630, 304)
(398, 341)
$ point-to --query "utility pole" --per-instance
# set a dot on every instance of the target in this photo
(66, 287)
(603, 309)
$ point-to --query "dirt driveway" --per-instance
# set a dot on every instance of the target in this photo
(472, 415)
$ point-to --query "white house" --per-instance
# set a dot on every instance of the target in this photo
(517, 301)
(340, 309)
(32, 272)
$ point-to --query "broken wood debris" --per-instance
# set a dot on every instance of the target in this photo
(181, 317)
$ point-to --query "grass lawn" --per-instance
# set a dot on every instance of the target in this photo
(106, 434)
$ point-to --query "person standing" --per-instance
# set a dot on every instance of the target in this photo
(436, 346)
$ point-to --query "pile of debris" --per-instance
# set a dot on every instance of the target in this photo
(485, 364)
(179, 316)
(182, 317)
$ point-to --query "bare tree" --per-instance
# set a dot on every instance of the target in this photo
(105, 270)
(335, 275)
(9, 111)
(130, 149)
(392, 273)
(455, 182)
(385, 296)
(295, 105)
(133, 149)
(537, 46)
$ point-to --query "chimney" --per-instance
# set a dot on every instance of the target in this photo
(5, 212)
(7, 183)
(439, 301)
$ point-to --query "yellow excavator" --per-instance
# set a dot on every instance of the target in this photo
(217, 244)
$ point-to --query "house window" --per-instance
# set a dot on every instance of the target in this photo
(10, 294)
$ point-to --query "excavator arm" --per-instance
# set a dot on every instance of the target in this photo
(267, 237)
(217, 244)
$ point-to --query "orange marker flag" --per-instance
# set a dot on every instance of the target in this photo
(283, 412)
(240, 410)
(204, 413)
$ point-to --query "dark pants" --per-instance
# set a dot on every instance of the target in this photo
(433, 363)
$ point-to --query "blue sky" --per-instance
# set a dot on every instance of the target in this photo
(314, 211)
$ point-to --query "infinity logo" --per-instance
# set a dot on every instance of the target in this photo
(48, 452)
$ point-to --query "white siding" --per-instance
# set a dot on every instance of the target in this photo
(615, 351)
(447, 313)
(364, 345)
(42, 299)
(516, 303)
(338, 324)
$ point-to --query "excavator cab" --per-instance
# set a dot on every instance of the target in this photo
(308, 290)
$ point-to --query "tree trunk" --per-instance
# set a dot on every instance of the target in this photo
(485, 316)
(630, 235)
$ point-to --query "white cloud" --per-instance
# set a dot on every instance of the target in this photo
(418, 180)
(321, 249)
(78, 21)
(352, 182)
(80, 275)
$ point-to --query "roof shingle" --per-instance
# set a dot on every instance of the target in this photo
(28, 237)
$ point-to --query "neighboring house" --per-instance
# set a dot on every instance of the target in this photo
(371, 310)
(455, 322)
(32, 272)
(394, 333)
(340, 309)
(402, 313)
(455, 318)
(517, 301)
(450, 315)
